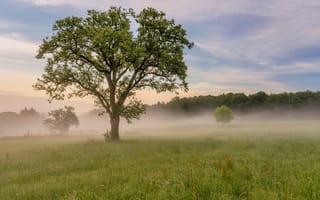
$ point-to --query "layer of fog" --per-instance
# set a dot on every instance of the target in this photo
(93, 124)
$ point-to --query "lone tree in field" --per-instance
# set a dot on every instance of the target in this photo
(101, 56)
(223, 114)
(61, 120)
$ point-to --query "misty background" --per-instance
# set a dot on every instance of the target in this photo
(197, 110)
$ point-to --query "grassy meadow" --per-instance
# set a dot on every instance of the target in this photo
(240, 161)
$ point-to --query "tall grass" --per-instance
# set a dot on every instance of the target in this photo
(224, 167)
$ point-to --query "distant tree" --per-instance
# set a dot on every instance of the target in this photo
(9, 121)
(30, 119)
(99, 56)
(29, 114)
(257, 100)
(239, 101)
(223, 114)
(61, 119)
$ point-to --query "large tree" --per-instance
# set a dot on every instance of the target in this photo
(102, 56)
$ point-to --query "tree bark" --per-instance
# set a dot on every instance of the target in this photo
(114, 133)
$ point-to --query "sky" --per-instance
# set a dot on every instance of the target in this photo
(240, 46)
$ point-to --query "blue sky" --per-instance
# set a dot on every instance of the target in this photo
(240, 45)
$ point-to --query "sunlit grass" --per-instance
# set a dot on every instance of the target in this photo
(280, 161)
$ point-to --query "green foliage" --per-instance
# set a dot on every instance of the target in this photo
(223, 114)
(61, 119)
(99, 56)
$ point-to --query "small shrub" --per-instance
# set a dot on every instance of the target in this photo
(223, 114)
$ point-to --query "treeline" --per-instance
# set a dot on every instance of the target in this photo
(24, 122)
(29, 121)
(241, 102)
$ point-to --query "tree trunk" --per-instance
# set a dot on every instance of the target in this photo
(114, 133)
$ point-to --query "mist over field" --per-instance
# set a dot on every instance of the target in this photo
(158, 122)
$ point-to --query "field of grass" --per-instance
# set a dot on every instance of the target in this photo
(242, 161)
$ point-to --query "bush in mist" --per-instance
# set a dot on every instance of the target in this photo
(223, 114)
(61, 120)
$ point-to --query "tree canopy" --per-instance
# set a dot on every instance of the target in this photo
(100, 55)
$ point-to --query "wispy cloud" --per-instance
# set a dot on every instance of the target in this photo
(13, 102)
(4, 24)
(18, 66)
(181, 9)
(248, 30)
(231, 79)
(290, 26)
(17, 52)
(298, 68)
